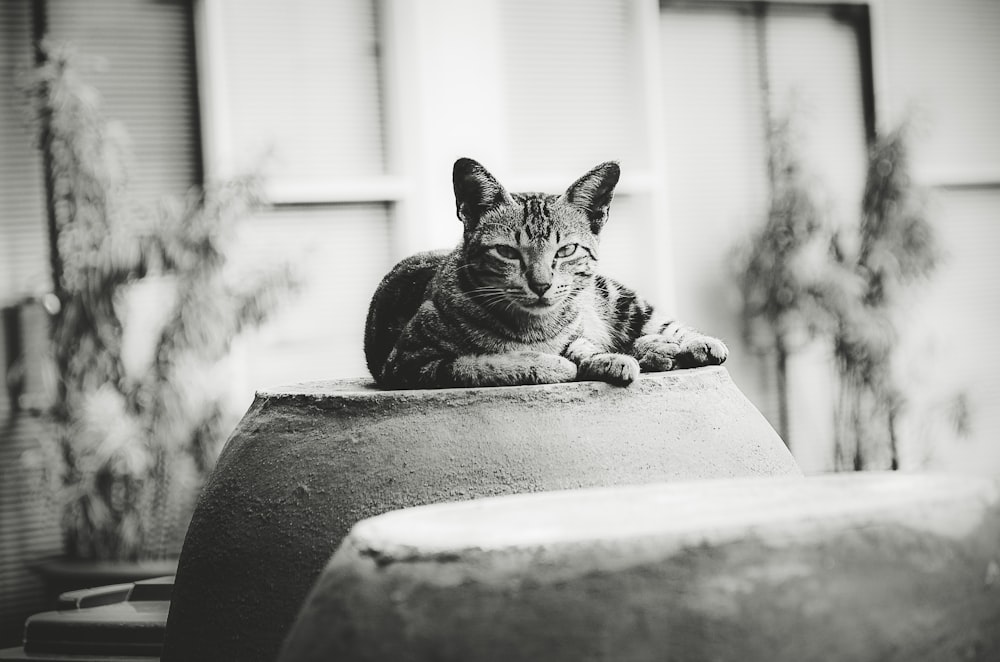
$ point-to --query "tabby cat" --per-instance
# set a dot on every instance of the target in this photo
(519, 302)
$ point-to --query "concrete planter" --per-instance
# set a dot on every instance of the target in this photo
(859, 568)
(307, 462)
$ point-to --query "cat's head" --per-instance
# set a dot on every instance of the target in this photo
(530, 253)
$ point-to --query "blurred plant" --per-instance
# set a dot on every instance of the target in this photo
(895, 248)
(133, 442)
(776, 267)
(800, 280)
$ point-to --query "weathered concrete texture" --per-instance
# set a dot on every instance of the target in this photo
(308, 462)
(855, 568)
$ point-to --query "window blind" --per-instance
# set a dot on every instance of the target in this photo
(302, 88)
(29, 527)
(815, 79)
(23, 231)
(941, 64)
(572, 87)
(147, 82)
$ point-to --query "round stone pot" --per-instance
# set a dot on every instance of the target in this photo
(309, 461)
(856, 567)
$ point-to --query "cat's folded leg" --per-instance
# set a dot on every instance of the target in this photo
(426, 370)
(510, 369)
(619, 369)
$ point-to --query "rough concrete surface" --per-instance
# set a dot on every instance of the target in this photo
(309, 461)
(852, 567)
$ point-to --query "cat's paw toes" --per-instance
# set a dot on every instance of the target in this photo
(613, 368)
(702, 351)
(552, 369)
(655, 353)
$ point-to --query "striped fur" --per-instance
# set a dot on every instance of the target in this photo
(519, 302)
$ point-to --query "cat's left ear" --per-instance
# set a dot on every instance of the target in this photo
(593, 192)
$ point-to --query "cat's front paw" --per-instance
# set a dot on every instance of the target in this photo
(618, 369)
(655, 353)
(701, 351)
(551, 369)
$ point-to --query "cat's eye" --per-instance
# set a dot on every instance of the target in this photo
(507, 252)
(567, 250)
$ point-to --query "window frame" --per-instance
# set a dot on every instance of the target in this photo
(217, 153)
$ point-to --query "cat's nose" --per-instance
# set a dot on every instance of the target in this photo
(539, 288)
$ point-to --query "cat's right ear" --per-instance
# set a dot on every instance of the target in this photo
(476, 191)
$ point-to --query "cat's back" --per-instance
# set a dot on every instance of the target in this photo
(395, 302)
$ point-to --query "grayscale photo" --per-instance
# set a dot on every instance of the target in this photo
(496, 330)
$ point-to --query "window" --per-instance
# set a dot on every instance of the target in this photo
(939, 69)
(301, 95)
(294, 91)
(147, 82)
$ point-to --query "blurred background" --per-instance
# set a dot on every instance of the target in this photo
(816, 183)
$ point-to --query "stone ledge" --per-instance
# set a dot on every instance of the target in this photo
(309, 461)
(849, 567)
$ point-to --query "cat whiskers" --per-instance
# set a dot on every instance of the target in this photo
(487, 296)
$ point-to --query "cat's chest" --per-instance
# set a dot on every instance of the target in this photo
(492, 338)
(553, 345)
(594, 327)
(586, 323)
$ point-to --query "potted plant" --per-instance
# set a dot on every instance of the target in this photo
(776, 266)
(895, 248)
(144, 310)
(849, 291)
